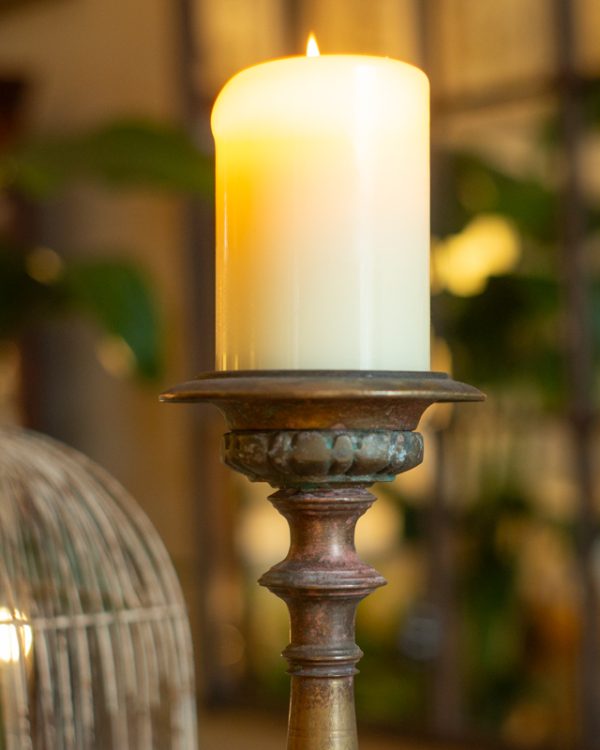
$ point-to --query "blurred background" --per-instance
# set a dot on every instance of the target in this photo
(488, 633)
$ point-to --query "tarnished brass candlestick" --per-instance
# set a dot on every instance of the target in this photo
(322, 438)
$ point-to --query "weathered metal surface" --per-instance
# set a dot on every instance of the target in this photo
(323, 476)
(322, 457)
(305, 400)
(322, 438)
(322, 714)
(322, 580)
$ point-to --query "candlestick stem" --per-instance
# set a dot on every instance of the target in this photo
(321, 439)
(322, 580)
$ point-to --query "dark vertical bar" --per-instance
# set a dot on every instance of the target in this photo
(578, 358)
(22, 232)
(199, 212)
(293, 23)
(445, 697)
(217, 682)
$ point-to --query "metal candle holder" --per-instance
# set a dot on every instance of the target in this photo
(321, 438)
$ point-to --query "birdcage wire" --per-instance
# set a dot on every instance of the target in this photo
(95, 648)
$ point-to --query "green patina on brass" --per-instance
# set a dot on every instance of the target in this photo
(322, 438)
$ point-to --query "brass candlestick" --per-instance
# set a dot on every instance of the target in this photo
(322, 438)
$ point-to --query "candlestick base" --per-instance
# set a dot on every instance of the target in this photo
(322, 438)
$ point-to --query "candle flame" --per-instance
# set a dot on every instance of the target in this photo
(312, 48)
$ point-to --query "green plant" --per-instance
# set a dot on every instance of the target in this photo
(508, 336)
(37, 283)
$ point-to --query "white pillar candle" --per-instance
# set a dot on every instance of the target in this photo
(322, 209)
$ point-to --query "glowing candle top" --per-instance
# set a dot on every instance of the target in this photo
(322, 201)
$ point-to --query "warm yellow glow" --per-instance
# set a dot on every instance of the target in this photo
(312, 48)
(44, 265)
(116, 356)
(262, 535)
(378, 532)
(344, 137)
(16, 637)
(488, 246)
(439, 417)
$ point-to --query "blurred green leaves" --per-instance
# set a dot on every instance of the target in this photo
(507, 335)
(480, 186)
(116, 295)
(113, 294)
(510, 333)
(127, 153)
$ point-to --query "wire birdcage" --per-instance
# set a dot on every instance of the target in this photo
(95, 648)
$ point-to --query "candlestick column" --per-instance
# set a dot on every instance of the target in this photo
(323, 475)
(322, 439)
(322, 580)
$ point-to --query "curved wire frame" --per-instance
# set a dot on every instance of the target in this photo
(95, 648)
